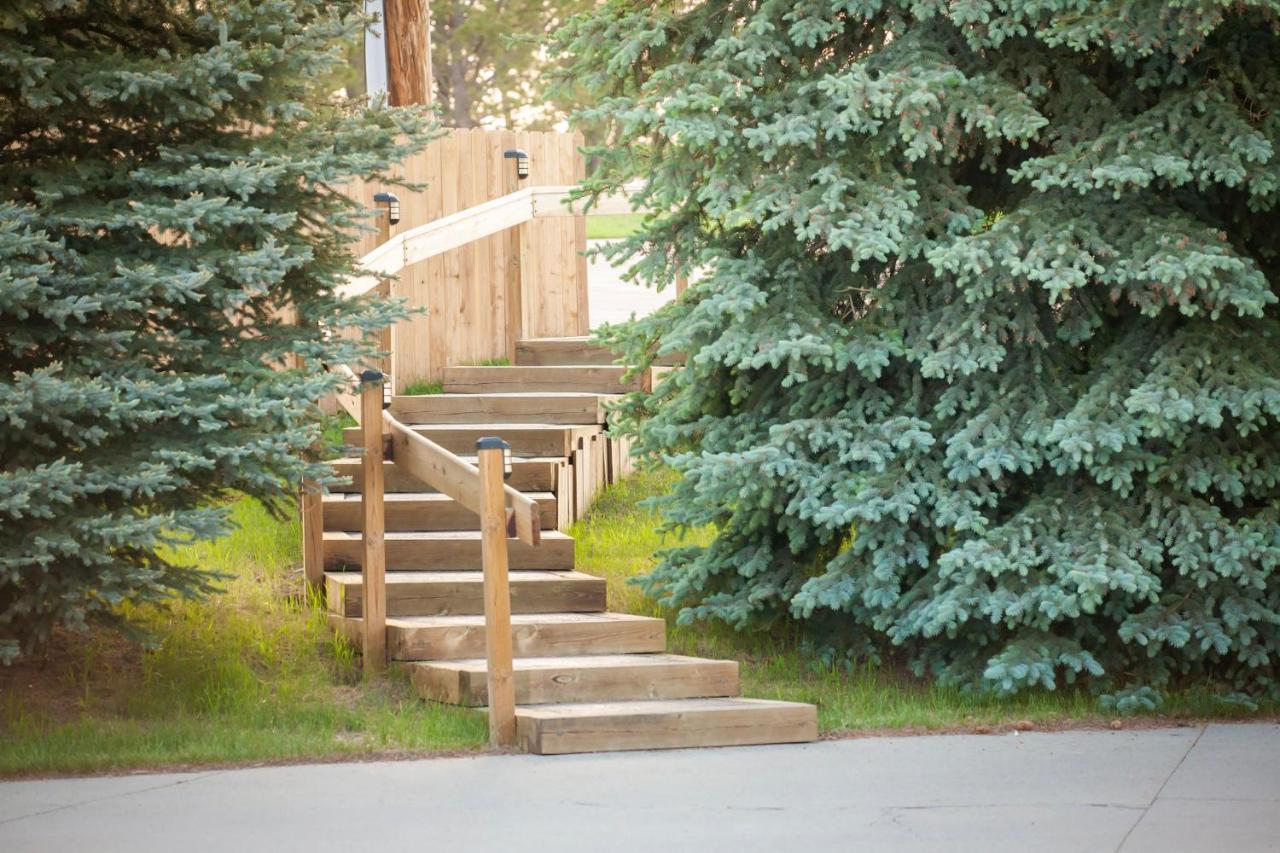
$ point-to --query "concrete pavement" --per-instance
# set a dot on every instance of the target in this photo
(613, 300)
(1215, 788)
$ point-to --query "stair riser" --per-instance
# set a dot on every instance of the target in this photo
(559, 441)
(486, 380)
(735, 727)
(452, 555)
(585, 684)
(533, 353)
(426, 515)
(465, 599)
(476, 409)
(546, 640)
(526, 476)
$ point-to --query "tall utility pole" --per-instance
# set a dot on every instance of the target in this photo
(407, 29)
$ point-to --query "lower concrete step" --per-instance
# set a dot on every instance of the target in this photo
(487, 380)
(420, 511)
(527, 440)
(532, 635)
(542, 407)
(530, 474)
(663, 724)
(593, 678)
(462, 593)
(447, 550)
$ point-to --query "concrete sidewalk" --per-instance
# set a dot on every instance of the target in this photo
(1211, 789)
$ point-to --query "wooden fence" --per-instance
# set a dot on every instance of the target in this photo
(529, 281)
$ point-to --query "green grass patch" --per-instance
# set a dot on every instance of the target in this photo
(252, 674)
(423, 388)
(493, 362)
(614, 226)
(616, 541)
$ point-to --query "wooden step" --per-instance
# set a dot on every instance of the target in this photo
(662, 724)
(532, 635)
(573, 351)
(593, 678)
(462, 593)
(547, 407)
(529, 474)
(565, 351)
(527, 440)
(420, 511)
(485, 380)
(448, 550)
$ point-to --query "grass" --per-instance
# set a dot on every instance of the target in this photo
(253, 674)
(250, 675)
(613, 226)
(423, 388)
(616, 541)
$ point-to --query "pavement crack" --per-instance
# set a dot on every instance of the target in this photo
(1147, 810)
(102, 799)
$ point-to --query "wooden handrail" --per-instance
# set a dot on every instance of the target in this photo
(504, 512)
(466, 226)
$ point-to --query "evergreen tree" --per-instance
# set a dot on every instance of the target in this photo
(169, 243)
(984, 365)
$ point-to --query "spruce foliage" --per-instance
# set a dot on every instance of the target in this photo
(165, 191)
(985, 356)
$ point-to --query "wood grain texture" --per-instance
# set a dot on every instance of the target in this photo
(462, 593)
(547, 407)
(373, 556)
(311, 507)
(592, 379)
(525, 439)
(663, 724)
(497, 601)
(447, 550)
(591, 678)
(416, 511)
(532, 635)
(527, 475)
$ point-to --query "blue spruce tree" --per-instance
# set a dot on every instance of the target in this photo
(169, 247)
(984, 362)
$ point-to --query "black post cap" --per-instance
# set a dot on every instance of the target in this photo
(491, 442)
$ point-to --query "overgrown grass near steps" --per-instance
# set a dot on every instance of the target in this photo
(253, 675)
(616, 541)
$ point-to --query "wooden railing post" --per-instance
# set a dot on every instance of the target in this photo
(497, 595)
(311, 504)
(373, 567)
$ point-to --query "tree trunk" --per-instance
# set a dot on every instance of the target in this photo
(407, 25)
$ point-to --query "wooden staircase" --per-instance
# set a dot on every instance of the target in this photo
(586, 679)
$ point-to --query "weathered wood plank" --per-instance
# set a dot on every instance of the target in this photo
(417, 511)
(462, 593)
(447, 550)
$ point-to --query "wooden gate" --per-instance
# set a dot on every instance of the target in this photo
(529, 281)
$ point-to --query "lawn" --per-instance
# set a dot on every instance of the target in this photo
(253, 675)
(613, 226)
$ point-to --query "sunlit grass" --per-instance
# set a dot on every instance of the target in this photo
(423, 388)
(613, 226)
(617, 541)
(251, 674)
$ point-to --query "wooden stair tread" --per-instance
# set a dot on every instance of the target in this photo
(528, 474)
(445, 550)
(572, 350)
(420, 511)
(580, 678)
(533, 635)
(441, 593)
(529, 440)
(602, 378)
(550, 407)
(663, 724)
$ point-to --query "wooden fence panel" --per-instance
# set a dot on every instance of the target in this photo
(467, 293)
